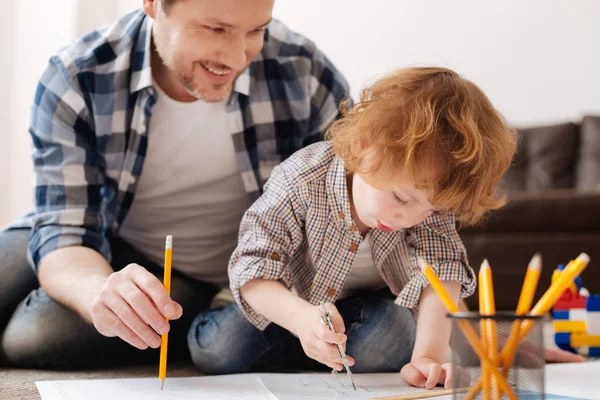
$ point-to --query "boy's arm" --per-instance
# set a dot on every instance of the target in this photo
(427, 368)
(271, 231)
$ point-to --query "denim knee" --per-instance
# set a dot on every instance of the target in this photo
(222, 341)
(382, 338)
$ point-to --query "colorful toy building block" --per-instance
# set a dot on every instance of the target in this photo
(594, 352)
(582, 339)
(562, 315)
(569, 300)
(593, 302)
(569, 326)
(593, 323)
(563, 341)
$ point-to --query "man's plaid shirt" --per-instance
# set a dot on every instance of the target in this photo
(90, 118)
(304, 214)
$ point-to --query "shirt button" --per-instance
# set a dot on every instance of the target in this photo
(331, 292)
(353, 228)
(353, 247)
(341, 215)
(275, 256)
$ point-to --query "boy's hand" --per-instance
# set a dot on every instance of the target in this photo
(427, 373)
(318, 341)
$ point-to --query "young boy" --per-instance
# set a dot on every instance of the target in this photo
(343, 221)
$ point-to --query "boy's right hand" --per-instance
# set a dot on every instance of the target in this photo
(132, 305)
(318, 341)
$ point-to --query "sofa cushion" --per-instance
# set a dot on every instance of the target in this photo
(587, 173)
(554, 211)
(544, 160)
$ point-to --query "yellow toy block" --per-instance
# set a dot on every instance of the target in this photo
(581, 340)
(569, 326)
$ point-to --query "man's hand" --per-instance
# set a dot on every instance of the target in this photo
(132, 305)
(318, 341)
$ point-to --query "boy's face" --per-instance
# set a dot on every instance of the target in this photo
(206, 44)
(389, 210)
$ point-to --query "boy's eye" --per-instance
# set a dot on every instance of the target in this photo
(398, 199)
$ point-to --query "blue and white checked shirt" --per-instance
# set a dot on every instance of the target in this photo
(305, 212)
(90, 118)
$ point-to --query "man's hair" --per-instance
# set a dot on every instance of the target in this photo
(436, 126)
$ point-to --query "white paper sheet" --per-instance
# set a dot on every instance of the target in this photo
(225, 387)
(579, 380)
(234, 387)
(327, 386)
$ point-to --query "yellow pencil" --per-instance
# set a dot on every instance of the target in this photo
(485, 374)
(489, 308)
(572, 271)
(162, 368)
(465, 327)
(532, 277)
(525, 300)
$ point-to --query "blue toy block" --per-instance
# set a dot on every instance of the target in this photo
(560, 267)
(563, 341)
(561, 314)
(594, 352)
(593, 302)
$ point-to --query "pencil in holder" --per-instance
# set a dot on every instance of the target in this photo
(518, 356)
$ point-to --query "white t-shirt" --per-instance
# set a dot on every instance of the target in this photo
(190, 187)
(363, 274)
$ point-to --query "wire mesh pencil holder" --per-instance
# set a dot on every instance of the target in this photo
(513, 343)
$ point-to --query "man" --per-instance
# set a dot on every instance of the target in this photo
(167, 122)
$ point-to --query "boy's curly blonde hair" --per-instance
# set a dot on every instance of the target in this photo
(439, 128)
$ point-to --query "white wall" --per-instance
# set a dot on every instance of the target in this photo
(6, 105)
(37, 29)
(538, 60)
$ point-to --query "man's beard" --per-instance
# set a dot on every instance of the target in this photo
(205, 94)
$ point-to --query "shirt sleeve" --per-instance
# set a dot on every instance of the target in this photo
(67, 169)
(437, 242)
(328, 88)
(271, 230)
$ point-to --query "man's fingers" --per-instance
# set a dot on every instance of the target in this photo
(126, 314)
(143, 307)
(116, 327)
(155, 290)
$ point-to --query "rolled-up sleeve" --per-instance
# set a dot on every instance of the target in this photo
(67, 169)
(437, 242)
(271, 231)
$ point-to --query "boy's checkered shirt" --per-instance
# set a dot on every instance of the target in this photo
(91, 113)
(305, 212)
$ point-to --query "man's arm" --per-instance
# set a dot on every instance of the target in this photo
(67, 246)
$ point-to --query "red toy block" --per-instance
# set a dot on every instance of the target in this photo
(568, 301)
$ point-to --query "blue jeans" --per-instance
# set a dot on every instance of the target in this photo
(381, 337)
(38, 332)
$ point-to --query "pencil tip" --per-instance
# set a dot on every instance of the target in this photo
(536, 262)
(585, 258)
(485, 264)
(162, 383)
(169, 242)
(422, 263)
